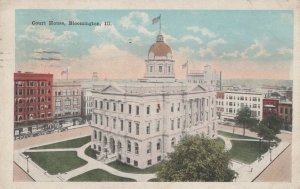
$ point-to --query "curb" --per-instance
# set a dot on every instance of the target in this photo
(270, 163)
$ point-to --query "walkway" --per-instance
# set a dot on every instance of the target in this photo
(248, 172)
(92, 164)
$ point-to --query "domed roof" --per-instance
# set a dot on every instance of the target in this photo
(160, 48)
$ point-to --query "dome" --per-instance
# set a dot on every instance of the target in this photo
(159, 48)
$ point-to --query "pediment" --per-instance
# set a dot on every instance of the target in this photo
(197, 88)
(112, 89)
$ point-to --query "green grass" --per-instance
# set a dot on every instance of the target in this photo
(97, 175)
(220, 142)
(74, 143)
(56, 162)
(90, 152)
(235, 136)
(130, 169)
(247, 151)
(154, 180)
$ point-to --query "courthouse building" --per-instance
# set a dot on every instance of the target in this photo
(140, 122)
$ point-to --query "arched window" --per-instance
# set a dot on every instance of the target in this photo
(158, 144)
(136, 147)
(149, 146)
(128, 146)
(173, 141)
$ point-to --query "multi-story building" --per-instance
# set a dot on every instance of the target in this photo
(86, 103)
(33, 101)
(219, 103)
(270, 106)
(235, 100)
(67, 101)
(285, 110)
(140, 122)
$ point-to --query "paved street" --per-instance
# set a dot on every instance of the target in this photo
(279, 170)
(20, 175)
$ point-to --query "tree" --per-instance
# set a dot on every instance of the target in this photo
(269, 127)
(197, 158)
(245, 119)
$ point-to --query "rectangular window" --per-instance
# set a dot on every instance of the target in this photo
(121, 124)
(149, 162)
(129, 126)
(172, 124)
(160, 68)
(137, 129)
(286, 111)
(129, 109)
(135, 163)
(107, 120)
(158, 108)
(178, 109)
(158, 158)
(101, 104)
(107, 105)
(114, 108)
(178, 123)
(122, 107)
(128, 160)
(148, 129)
(137, 110)
(158, 126)
(148, 110)
(114, 123)
(172, 107)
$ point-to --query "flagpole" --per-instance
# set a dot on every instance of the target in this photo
(67, 73)
(187, 67)
(159, 23)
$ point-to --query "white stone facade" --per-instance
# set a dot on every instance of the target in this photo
(141, 127)
(234, 100)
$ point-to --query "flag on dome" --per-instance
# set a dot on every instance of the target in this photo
(155, 20)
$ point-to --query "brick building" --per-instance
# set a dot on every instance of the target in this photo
(67, 101)
(32, 101)
(285, 110)
(270, 106)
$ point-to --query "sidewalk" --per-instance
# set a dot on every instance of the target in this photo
(38, 173)
(248, 172)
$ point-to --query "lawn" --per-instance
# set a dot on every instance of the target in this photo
(235, 136)
(74, 143)
(247, 151)
(97, 175)
(220, 142)
(90, 152)
(130, 169)
(56, 162)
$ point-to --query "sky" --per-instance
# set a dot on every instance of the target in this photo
(243, 44)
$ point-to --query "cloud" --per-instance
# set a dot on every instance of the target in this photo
(67, 35)
(40, 34)
(285, 51)
(46, 55)
(44, 35)
(110, 62)
(255, 50)
(203, 31)
(234, 54)
(192, 38)
(110, 31)
(137, 21)
(210, 47)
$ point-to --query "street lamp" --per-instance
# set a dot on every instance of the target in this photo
(105, 149)
(270, 150)
(27, 158)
